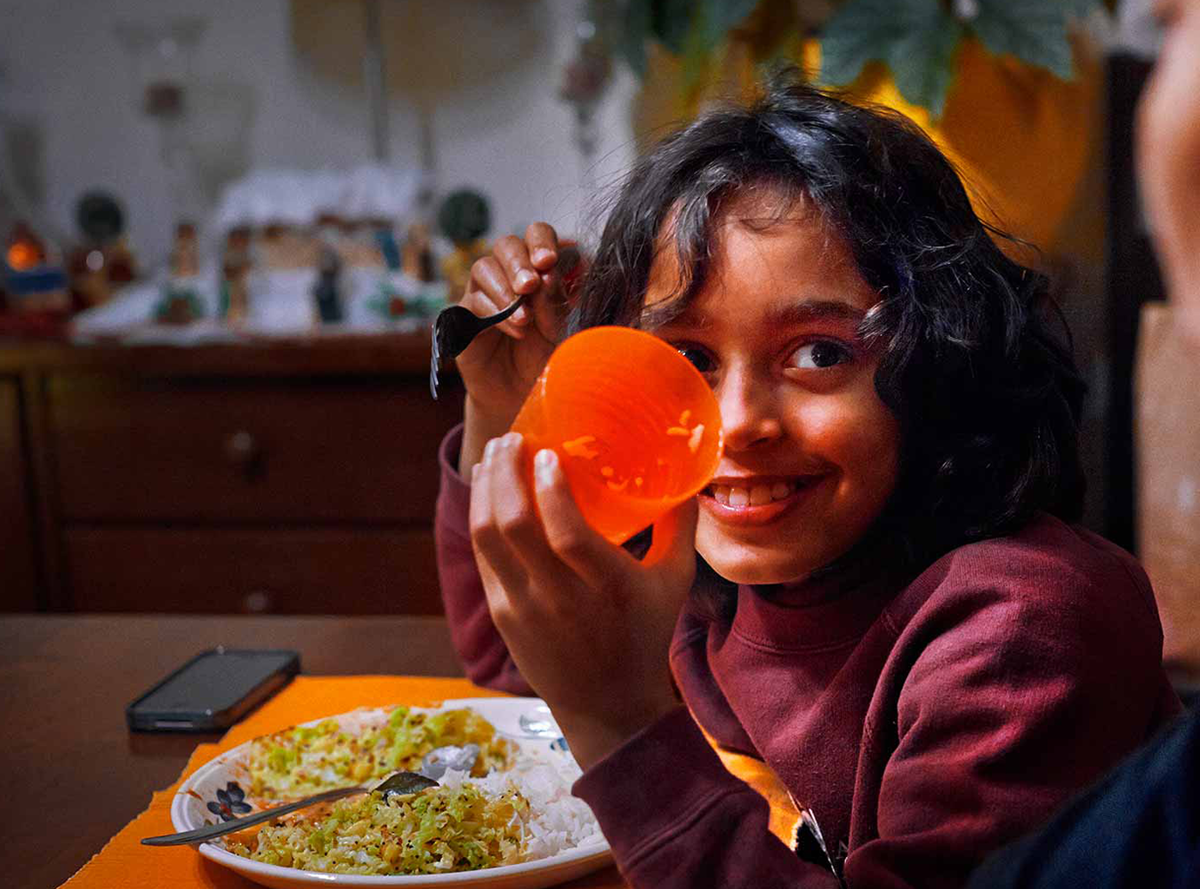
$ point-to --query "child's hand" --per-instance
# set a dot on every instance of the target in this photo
(588, 625)
(501, 365)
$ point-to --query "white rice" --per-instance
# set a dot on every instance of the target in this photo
(558, 821)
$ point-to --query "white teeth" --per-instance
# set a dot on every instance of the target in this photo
(758, 495)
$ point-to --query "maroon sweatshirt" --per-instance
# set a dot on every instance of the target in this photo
(923, 724)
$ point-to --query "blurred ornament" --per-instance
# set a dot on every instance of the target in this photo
(464, 217)
(34, 280)
(586, 76)
(101, 260)
(416, 259)
(161, 57)
(25, 251)
(327, 290)
(235, 270)
(185, 258)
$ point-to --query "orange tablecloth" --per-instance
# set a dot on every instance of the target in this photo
(125, 862)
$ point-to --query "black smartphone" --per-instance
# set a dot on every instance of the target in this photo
(213, 690)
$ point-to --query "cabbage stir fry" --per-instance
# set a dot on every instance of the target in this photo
(437, 830)
(309, 759)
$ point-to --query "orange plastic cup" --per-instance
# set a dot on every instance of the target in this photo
(636, 427)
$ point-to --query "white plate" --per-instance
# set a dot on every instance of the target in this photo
(189, 811)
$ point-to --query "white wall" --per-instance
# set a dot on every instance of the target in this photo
(488, 70)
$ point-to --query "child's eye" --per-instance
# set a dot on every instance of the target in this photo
(820, 354)
(700, 359)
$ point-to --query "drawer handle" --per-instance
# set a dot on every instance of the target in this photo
(258, 602)
(244, 453)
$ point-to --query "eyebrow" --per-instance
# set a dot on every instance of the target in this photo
(803, 311)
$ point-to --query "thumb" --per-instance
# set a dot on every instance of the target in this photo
(673, 548)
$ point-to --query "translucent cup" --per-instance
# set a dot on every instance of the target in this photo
(636, 427)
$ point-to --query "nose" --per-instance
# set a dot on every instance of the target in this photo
(748, 410)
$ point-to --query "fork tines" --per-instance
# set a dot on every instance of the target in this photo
(435, 356)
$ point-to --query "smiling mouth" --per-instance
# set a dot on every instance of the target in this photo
(760, 493)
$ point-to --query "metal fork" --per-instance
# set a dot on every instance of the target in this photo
(455, 326)
(453, 329)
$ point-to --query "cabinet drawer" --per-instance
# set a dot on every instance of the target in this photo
(229, 451)
(279, 571)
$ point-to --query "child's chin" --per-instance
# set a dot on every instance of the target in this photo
(752, 565)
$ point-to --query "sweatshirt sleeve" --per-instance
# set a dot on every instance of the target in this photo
(1019, 685)
(484, 656)
(675, 817)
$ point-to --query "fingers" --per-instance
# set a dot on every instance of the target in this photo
(520, 267)
(514, 510)
(572, 540)
(513, 256)
(491, 551)
(532, 267)
(489, 290)
(542, 242)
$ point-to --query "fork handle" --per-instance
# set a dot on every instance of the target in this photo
(212, 831)
(483, 324)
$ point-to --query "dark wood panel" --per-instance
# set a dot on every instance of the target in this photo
(256, 570)
(18, 576)
(236, 451)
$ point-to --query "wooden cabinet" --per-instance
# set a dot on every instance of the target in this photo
(18, 576)
(292, 479)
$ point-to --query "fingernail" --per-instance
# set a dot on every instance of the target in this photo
(474, 472)
(513, 440)
(545, 462)
(541, 256)
(525, 278)
(489, 450)
(520, 316)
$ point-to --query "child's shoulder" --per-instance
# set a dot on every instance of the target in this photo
(1048, 569)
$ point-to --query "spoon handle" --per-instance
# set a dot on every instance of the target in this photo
(211, 831)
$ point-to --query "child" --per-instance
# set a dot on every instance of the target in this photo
(893, 610)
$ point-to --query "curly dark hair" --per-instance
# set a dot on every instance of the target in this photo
(987, 396)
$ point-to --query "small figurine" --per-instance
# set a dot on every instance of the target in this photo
(464, 218)
(385, 240)
(416, 259)
(325, 292)
(235, 269)
(185, 258)
(179, 306)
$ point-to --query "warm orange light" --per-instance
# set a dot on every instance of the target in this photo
(23, 256)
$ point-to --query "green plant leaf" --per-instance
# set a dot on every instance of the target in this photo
(635, 31)
(924, 66)
(671, 21)
(918, 39)
(1034, 31)
(719, 16)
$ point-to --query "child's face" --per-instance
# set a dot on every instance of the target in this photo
(1169, 146)
(811, 452)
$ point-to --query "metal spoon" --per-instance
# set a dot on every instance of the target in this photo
(433, 766)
